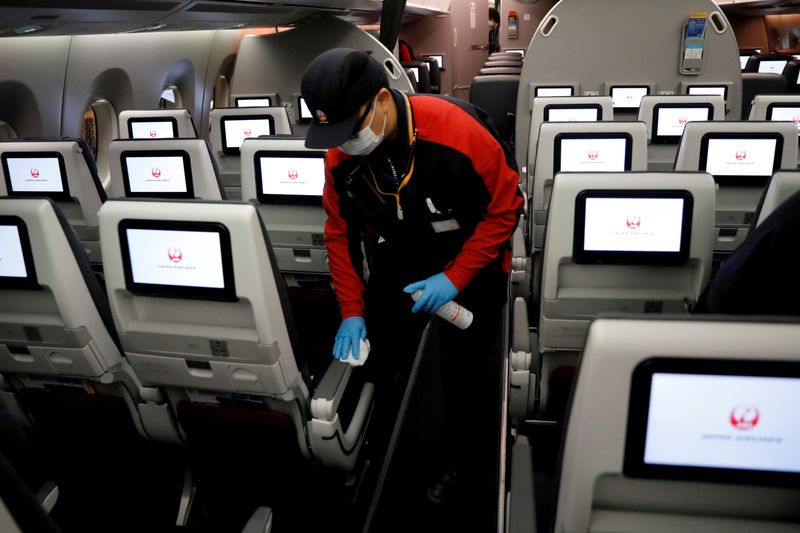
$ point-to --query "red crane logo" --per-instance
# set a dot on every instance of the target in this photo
(741, 155)
(293, 174)
(247, 132)
(175, 255)
(153, 133)
(156, 172)
(34, 172)
(592, 155)
(745, 417)
(633, 221)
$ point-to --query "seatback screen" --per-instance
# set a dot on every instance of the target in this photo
(253, 101)
(35, 174)
(305, 112)
(235, 129)
(784, 112)
(554, 91)
(628, 98)
(290, 177)
(669, 120)
(740, 158)
(592, 152)
(708, 90)
(151, 128)
(573, 113)
(632, 227)
(177, 259)
(16, 259)
(157, 174)
(772, 66)
(714, 420)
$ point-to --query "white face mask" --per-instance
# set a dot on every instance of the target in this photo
(366, 141)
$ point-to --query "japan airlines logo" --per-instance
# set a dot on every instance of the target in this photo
(175, 255)
(741, 155)
(682, 121)
(293, 174)
(633, 221)
(321, 116)
(592, 155)
(745, 417)
(796, 119)
(153, 133)
(156, 172)
(34, 172)
(247, 132)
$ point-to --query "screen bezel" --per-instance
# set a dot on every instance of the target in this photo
(675, 139)
(548, 107)
(251, 98)
(226, 294)
(300, 118)
(769, 60)
(171, 120)
(285, 199)
(627, 109)
(599, 135)
(741, 180)
(707, 86)
(187, 167)
(781, 105)
(589, 257)
(570, 87)
(639, 405)
(56, 196)
(30, 282)
(236, 118)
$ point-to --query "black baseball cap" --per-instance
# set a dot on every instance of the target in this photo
(335, 85)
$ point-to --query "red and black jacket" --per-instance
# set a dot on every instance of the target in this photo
(459, 208)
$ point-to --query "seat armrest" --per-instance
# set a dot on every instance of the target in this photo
(260, 521)
(330, 390)
(522, 500)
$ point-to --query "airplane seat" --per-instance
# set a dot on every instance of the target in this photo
(563, 109)
(64, 171)
(230, 126)
(502, 63)
(202, 314)
(504, 55)
(495, 71)
(665, 117)
(435, 74)
(156, 124)
(741, 156)
(632, 242)
(420, 73)
(782, 185)
(284, 180)
(164, 168)
(682, 424)
(412, 79)
(579, 147)
(60, 356)
(754, 84)
(523, 365)
(767, 63)
(497, 95)
(792, 76)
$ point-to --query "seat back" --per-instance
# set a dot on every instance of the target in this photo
(792, 76)
(284, 180)
(697, 419)
(255, 100)
(164, 168)
(585, 274)
(767, 63)
(230, 126)
(732, 147)
(503, 63)
(665, 117)
(435, 74)
(497, 95)
(64, 171)
(776, 108)
(420, 73)
(156, 124)
(493, 71)
(783, 184)
(754, 84)
(557, 110)
(578, 146)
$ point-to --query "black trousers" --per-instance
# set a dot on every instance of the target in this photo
(470, 369)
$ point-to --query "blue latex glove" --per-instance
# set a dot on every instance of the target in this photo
(351, 331)
(437, 291)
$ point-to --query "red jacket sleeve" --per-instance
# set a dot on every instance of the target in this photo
(346, 281)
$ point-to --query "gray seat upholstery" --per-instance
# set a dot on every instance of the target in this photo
(234, 334)
(84, 192)
(597, 490)
(782, 185)
(156, 123)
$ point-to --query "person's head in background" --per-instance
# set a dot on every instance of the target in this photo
(494, 17)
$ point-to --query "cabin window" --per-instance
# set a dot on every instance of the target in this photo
(170, 98)
(7, 132)
(99, 127)
(89, 130)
